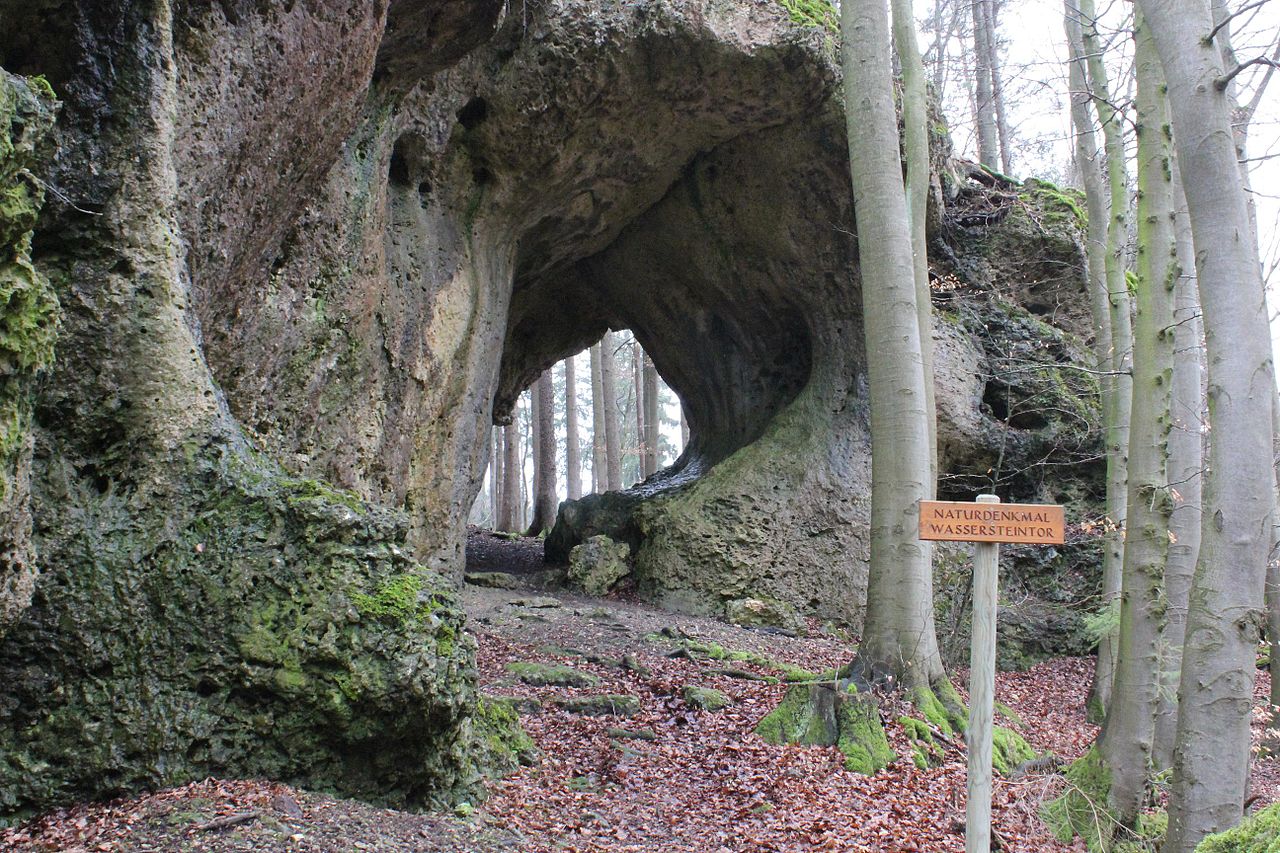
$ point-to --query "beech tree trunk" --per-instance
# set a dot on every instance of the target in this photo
(915, 143)
(495, 474)
(1211, 755)
(1127, 737)
(898, 639)
(1117, 426)
(1186, 460)
(612, 427)
(572, 449)
(984, 100)
(508, 519)
(544, 460)
(599, 477)
(637, 383)
(650, 416)
(1003, 133)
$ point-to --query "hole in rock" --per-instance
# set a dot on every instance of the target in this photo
(473, 112)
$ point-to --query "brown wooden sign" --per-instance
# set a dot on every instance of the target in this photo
(956, 521)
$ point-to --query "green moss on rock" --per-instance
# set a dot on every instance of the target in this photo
(551, 674)
(216, 629)
(1257, 833)
(1008, 750)
(705, 698)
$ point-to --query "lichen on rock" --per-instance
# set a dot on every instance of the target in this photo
(598, 564)
(28, 326)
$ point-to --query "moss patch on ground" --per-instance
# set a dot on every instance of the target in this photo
(1082, 810)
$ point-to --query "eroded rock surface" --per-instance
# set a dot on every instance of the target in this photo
(310, 252)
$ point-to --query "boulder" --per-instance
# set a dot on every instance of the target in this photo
(598, 564)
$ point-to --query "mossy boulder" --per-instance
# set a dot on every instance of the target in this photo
(498, 743)
(831, 714)
(705, 698)
(239, 625)
(551, 674)
(1257, 833)
(763, 613)
(28, 326)
(598, 564)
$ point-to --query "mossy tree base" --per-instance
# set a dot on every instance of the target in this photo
(831, 714)
(1258, 833)
(1082, 810)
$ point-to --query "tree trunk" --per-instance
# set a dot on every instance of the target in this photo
(1117, 426)
(572, 449)
(1003, 133)
(1126, 739)
(599, 477)
(898, 638)
(984, 101)
(495, 474)
(1186, 459)
(508, 519)
(1089, 159)
(637, 383)
(684, 429)
(650, 416)
(544, 460)
(612, 427)
(1211, 756)
(915, 143)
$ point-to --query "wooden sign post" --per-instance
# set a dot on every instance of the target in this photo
(987, 523)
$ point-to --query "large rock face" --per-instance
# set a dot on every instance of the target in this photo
(310, 252)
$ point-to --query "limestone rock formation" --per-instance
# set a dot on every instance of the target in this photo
(309, 252)
(28, 322)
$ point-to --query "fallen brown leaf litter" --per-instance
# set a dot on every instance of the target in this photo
(668, 778)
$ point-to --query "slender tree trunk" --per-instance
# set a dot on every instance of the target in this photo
(544, 461)
(898, 638)
(508, 519)
(1186, 459)
(612, 426)
(637, 383)
(1127, 737)
(1003, 132)
(572, 449)
(915, 143)
(984, 101)
(1117, 427)
(1089, 160)
(1211, 755)
(684, 429)
(599, 477)
(495, 475)
(650, 417)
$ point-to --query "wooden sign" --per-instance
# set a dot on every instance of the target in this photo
(957, 521)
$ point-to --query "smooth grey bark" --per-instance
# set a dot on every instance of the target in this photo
(984, 98)
(637, 388)
(684, 429)
(599, 477)
(1128, 734)
(612, 427)
(572, 448)
(915, 144)
(495, 473)
(1120, 309)
(650, 444)
(1186, 461)
(1003, 133)
(544, 460)
(1211, 754)
(898, 639)
(508, 517)
(1089, 159)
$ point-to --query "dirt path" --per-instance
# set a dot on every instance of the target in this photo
(654, 774)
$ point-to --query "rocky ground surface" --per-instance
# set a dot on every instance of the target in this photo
(628, 761)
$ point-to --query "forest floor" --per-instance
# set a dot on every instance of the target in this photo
(663, 779)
